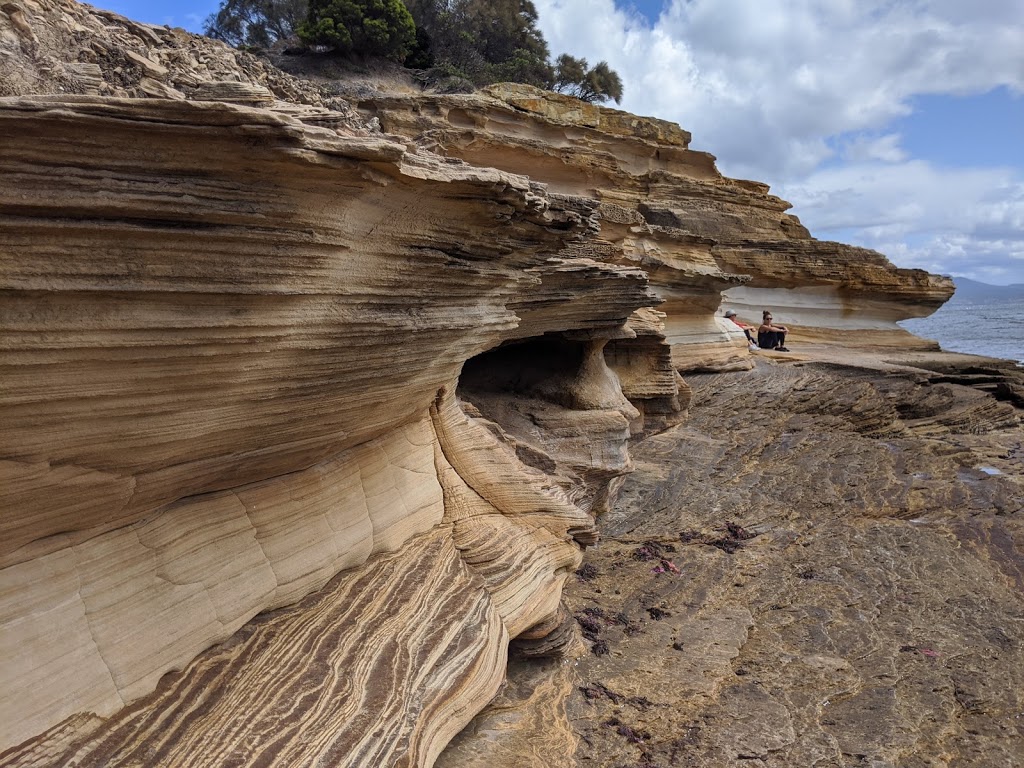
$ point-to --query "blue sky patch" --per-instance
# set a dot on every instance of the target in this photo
(986, 130)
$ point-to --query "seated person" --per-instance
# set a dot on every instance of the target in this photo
(771, 336)
(747, 329)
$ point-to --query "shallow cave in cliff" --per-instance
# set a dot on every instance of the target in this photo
(537, 368)
(555, 401)
(525, 386)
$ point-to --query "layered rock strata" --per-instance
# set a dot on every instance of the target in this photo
(220, 358)
(383, 665)
(667, 209)
(305, 422)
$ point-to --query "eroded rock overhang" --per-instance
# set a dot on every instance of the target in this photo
(233, 343)
(704, 239)
(264, 357)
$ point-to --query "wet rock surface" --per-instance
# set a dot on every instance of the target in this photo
(821, 567)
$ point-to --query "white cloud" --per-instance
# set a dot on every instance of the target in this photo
(959, 221)
(865, 148)
(801, 94)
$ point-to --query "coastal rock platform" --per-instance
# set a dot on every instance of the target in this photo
(823, 566)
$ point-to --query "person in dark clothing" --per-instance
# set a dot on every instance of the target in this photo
(771, 336)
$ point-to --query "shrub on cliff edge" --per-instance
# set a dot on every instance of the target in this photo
(576, 78)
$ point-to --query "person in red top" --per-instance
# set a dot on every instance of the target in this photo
(747, 329)
(771, 336)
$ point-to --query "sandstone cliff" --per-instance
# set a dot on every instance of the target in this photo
(701, 238)
(310, 407)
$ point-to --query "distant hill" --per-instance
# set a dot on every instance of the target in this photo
(972, 290)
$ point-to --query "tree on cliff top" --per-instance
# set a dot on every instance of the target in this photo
(485, 41)
(597, 83)
(476, 42)
(255, 22)
(371, 27)
(488, 41)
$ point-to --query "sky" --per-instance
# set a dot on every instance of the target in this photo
(896, 125)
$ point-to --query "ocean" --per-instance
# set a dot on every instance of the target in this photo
(990, 326)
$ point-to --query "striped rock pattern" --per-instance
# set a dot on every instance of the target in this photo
(139, 601)
(304, 422)
(383, 665)
(667, 209)
(226, 331)
(380, 668)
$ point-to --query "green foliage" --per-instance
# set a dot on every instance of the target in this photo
(599, 83)
(370, 27)
(504, 30)
(255, 23)
(486, 41)
(421, 55)
(455, 43)
(569, 70)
